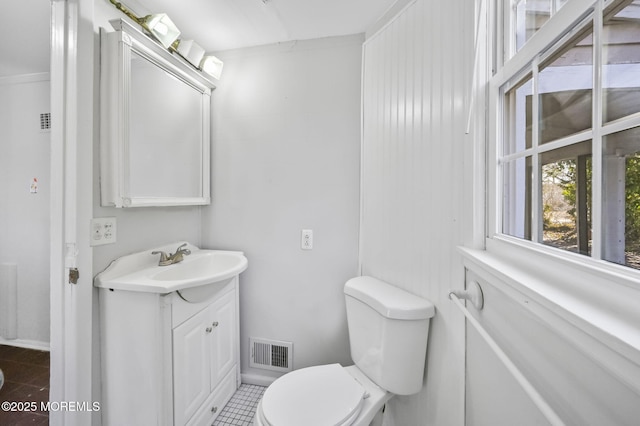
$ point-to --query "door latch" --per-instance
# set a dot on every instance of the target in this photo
(74, 274)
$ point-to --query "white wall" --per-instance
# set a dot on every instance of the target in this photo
(285, 157)
(24, 216)
(413, 210)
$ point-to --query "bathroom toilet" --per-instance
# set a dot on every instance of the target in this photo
(388, 331)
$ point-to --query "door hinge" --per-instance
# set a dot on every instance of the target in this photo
(74, 274)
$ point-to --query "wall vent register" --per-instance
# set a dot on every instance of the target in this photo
(271, 354)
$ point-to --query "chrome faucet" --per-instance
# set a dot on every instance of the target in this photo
(170, 259)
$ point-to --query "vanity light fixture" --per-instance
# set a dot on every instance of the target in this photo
(190, 50)
(212, 66)
(194, 53)
(159, 25)
(162, 28)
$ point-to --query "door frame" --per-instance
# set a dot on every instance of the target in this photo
(71, 208)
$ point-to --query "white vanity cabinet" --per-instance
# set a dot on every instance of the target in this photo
(169, 357)
(166, 361)
(204, 362)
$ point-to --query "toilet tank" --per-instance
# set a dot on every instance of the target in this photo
(388, 331)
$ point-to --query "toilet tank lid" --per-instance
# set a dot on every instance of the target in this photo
(389, 301)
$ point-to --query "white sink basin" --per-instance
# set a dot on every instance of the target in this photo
(199, 275)
(207, 265)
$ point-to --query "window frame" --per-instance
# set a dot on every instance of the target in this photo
(537, 147)
(509, 72)
(595, 296)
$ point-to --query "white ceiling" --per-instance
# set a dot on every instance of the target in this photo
(229, 24)
(214, 24)
(24, 31)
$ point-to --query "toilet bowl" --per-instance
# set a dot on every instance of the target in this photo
(388, 332)
(324, 395)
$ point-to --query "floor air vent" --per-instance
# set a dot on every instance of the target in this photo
(271, 354)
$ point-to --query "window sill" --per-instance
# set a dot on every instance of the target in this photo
(593, 306)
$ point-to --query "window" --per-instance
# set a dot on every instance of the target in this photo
(562, 171)
(530, 15)
(568, 138)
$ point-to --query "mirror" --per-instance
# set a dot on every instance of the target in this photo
(155, 126)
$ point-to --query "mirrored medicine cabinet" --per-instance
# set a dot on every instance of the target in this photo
(155, 124)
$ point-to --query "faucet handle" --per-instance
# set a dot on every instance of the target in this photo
(183, 251)
(164, 257)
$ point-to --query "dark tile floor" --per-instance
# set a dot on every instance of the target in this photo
(26, 375)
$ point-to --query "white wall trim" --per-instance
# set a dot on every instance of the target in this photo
(24, 343)
(24, 78)
(71, 208)
(58, 59)
(255, 379)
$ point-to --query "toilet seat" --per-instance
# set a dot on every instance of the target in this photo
(315, 396)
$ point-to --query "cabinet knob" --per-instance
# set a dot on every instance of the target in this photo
(209, 329)
(214, 409)
(215, 324)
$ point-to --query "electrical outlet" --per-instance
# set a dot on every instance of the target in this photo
(306, 241)
(103, 230)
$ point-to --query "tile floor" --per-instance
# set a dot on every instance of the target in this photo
(26, 375)
(242, 407)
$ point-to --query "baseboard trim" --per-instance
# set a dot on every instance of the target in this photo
(28, 344)
(255, 379)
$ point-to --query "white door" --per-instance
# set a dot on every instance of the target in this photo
(71, 209)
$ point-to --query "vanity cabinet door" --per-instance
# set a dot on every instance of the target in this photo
(191, 365)
(224, 339)
(204, 353)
